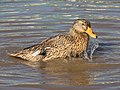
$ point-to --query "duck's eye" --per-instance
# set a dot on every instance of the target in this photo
(83, 24)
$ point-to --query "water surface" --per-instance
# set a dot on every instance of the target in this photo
(27, 22)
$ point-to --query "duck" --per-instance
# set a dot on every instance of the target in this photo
(70, 44)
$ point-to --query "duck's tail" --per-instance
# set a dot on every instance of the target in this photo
(17, 55)
(26, 56)
(13, 54)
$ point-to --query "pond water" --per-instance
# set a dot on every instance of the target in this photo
(27, 22)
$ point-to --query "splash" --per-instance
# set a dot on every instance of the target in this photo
(93, 45)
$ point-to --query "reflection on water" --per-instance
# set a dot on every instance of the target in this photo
(27, 22)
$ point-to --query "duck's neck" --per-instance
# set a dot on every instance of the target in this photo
(78, 35)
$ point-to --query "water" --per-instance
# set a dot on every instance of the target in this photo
(93, 45)
(27, 22)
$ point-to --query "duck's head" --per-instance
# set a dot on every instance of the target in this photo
(83, 26)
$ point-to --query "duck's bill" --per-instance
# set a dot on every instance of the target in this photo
(90, 33)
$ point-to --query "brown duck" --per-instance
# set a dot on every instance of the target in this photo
(70, 45)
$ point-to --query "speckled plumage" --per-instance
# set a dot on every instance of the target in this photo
(71, 44)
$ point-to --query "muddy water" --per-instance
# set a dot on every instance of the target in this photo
(27, 22)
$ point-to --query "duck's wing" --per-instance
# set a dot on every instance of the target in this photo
(38, 51)
(52, 42)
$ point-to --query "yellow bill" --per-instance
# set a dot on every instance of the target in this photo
(90, 33)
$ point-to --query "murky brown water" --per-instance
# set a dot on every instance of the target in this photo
(27, 22)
